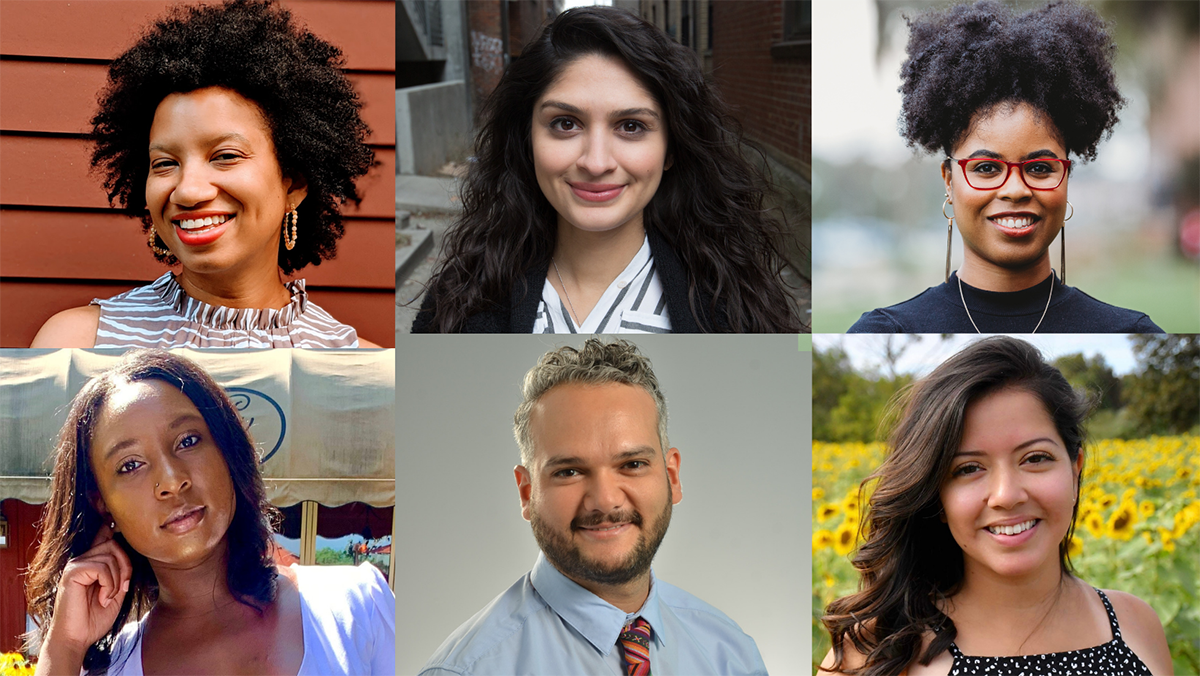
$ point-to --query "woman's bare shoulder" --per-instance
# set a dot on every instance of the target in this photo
(852, 659)
(1142, 630)
(70, 328)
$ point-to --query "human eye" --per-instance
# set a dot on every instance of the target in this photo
(566, 473)
(636, 464)
(985, 168)
(966, 470)
(226, 157)
(564, 124)
(1039, 168)
(189, 440)
(161, 163)
(632, 127)
(129, 466)
(1039, 458)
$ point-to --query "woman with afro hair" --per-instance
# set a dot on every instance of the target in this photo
(610, 194)
(1009, 98)
(231, 133)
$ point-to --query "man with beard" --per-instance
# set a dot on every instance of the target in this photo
(597, 482)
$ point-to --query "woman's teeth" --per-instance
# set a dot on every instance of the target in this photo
(1012, 530)
(1019, 223)
(197, 223)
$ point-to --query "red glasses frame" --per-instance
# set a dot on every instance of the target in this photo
(962, 164)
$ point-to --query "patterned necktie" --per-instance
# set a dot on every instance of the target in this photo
(635, 648)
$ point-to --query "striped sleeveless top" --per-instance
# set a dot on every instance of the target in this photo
(161, 314)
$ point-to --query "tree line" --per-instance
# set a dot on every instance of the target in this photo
(1161, 396)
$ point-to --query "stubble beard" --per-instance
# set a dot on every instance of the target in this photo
(570, 561)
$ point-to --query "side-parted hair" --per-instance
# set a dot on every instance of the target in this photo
(909, 559)
(709, 206)
(70, 520)
(596, 363)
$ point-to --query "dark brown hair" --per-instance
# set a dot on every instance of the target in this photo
(709, 206)
(909, 559)
(70, 520)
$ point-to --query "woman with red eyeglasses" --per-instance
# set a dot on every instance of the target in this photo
(1008, 98)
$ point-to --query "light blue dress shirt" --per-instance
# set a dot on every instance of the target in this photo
(547, 625)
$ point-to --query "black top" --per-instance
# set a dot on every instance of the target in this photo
(939, 309)
(1114, 657)
(519, 314)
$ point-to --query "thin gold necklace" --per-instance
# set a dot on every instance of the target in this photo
(964, 302)
(574, 314)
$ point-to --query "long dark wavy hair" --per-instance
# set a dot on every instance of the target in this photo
(70, 520)
(709, 206)
(909, 559)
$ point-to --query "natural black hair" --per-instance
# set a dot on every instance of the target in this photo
(71, 521)
(709, 206)
(909, 559)
(970, 58)
(255, 49)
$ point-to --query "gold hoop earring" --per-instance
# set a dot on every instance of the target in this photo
(949, 233)
(152, 242)
(1062, 253)
(1072, 212)
(290, 219)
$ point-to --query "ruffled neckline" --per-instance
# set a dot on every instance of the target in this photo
(236, 318)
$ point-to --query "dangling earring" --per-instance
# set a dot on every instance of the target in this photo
(1062, 241)
(153, 244)
(949, 233)
(289, 221)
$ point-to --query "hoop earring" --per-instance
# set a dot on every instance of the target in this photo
(289, 222)
(1062, 253)
(152, 242)
(949, 233)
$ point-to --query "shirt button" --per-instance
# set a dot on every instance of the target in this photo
(622, 284)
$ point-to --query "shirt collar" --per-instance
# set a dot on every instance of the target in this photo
(597, 620)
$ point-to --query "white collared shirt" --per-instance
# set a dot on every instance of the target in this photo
(632, 303)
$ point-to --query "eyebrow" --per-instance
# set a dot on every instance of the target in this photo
(1019, 447)
(1044, 152)
(624, 456)
(177, 422)
(624, 112)
(216, 140)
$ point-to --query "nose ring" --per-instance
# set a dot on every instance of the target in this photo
(156, 485)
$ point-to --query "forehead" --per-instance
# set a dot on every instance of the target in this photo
(593, 420)
(132, 407)
(1005, 419)
(599, 84)
(208, 113)
(1010, 129)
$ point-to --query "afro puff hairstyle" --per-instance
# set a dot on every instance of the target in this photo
(253, 48)
(966, 60)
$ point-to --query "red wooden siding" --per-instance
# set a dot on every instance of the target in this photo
(22, 538)
(60, 242)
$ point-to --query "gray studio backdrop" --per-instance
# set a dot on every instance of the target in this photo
(739, 412)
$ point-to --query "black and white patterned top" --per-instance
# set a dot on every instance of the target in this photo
(1112, 658)
(633, 303)
(161, 314)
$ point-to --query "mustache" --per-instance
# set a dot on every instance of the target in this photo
(598, 519)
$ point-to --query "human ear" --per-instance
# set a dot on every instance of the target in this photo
(524, 488)
(673, 460)
(947, 177)
(670, 161)
(297, 190)
(105, 515)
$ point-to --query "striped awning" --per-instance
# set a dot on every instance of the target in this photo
(323, 420)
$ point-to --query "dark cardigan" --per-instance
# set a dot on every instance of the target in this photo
(521, 311)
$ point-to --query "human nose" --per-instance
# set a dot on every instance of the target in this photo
(173, 478)
(605, 493)
(1014, 187)
(1006, 489)
(597, 157)
(194, 186)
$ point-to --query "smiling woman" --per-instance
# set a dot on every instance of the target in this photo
(968, 528)
(158, 514)
(609, 194)
(1028, 90)
(236, 160)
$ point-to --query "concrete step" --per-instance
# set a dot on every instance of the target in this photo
(427, 194)
(411, 254)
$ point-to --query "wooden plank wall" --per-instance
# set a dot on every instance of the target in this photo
(60, 243)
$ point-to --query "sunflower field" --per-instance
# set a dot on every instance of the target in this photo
(1138, 529)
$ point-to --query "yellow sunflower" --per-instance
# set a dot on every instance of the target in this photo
(1120, 524)
(818, 494)
(828, 511)
(1075, 546)
(1146, 509)
(843, 538)
(1094, 523)
(822, 539)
